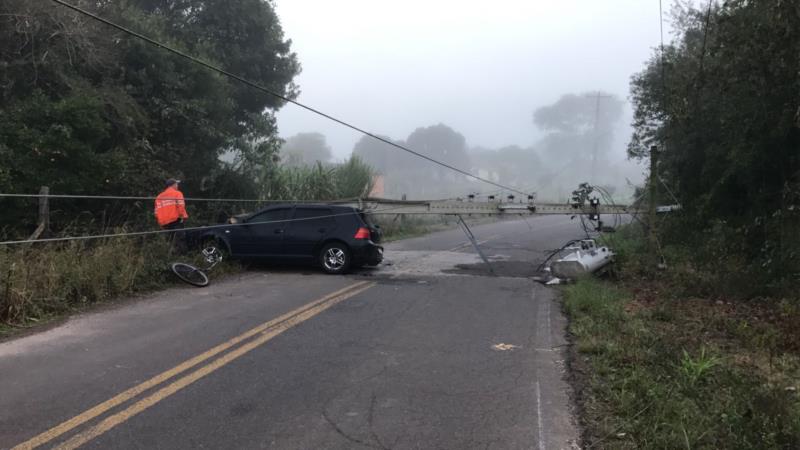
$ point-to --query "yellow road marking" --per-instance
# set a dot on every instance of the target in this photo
(101, 408)
(120, 417)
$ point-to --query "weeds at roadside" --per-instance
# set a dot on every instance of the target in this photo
(695, 369)
(656, 368)
(45, 281)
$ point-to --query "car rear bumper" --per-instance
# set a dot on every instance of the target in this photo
(369, 254)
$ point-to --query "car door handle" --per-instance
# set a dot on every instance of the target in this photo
(278, 231)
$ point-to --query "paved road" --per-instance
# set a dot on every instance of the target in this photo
(426, 351)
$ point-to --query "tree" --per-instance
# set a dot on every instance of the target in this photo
(441, 143)
(580, 133)
(305, 149)
(381, 156)
(511, 165)
(579, 125)
(722, 105)
(89, 109)
(580, 114)
(408, 174)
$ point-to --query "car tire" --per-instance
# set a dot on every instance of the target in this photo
(335, 258)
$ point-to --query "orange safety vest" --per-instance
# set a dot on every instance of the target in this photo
(170, 206)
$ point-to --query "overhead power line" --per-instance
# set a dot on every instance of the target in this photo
(277, 95)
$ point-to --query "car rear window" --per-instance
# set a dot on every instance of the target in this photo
(314, 218)
(270, 216)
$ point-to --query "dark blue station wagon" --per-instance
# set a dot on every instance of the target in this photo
(335, 237)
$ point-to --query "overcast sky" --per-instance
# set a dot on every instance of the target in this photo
(480, 67)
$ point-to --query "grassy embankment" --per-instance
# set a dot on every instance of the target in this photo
(657, 367)
(43, 282)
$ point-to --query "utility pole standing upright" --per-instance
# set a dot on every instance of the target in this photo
(653, 198)
(597, 97)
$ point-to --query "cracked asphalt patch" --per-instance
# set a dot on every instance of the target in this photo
(514, 269)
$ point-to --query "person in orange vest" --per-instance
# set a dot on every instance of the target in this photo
(170, 207)
(170, 211)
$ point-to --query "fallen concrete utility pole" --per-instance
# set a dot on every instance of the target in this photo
(463, 207)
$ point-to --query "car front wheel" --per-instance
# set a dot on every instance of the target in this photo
(335, 258)
(216, 247)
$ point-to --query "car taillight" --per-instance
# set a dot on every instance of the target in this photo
(362, 233)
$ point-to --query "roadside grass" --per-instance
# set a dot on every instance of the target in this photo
(656, 368)
(43, 282)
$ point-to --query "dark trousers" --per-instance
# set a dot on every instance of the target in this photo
(177, 237)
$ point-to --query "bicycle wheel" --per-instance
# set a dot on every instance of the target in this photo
(190, 274)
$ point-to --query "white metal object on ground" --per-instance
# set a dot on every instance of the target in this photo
(586, 258)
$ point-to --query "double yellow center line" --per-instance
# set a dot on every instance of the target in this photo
(256, 337)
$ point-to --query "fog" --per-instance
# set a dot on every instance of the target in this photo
(479, 68)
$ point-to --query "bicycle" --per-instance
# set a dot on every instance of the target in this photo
(193, 275)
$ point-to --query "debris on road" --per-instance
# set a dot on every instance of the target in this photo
(501, 347)
(585, 257)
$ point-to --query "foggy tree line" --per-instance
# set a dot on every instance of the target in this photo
(576, 147)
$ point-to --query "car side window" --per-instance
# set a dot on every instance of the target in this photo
(270, 216)
(313, 219)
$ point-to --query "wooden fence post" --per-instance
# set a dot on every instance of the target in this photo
(403, 216)
(43, 227)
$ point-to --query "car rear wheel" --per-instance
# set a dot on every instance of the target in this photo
(335, 258)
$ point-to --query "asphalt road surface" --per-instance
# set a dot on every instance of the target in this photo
(427, 351)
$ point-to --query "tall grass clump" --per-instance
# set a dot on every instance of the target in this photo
(321, 182)
(40, 281)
